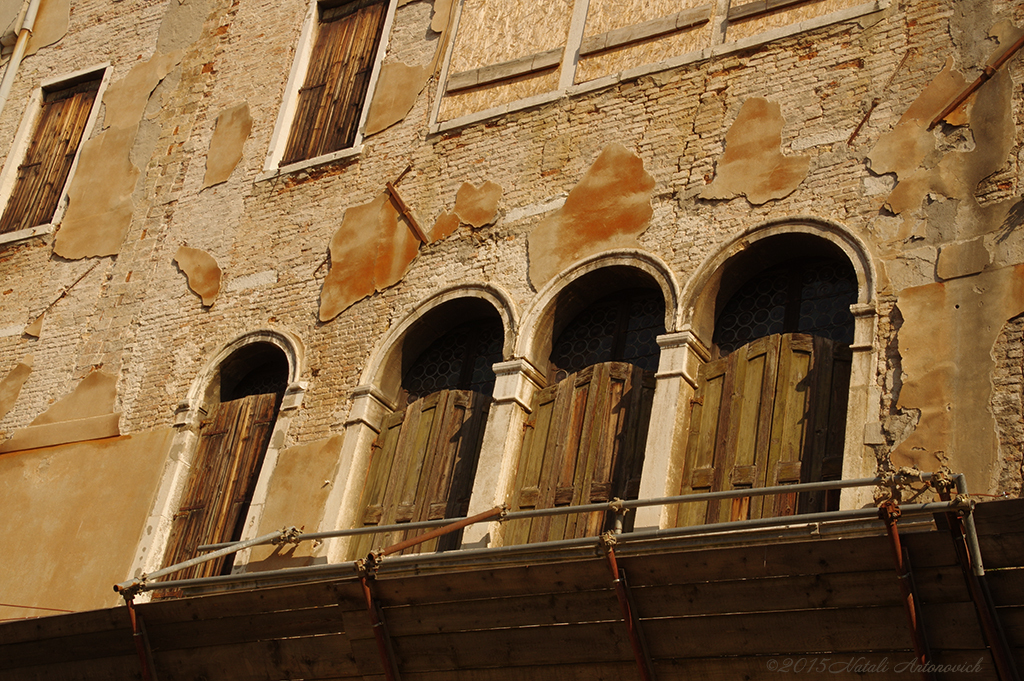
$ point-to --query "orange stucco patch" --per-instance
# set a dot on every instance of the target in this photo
(202, 272)
(397, 89)
(945, 344)
(232, 129)
(371, 250)
(753, 164)
(10, 386)
(478, 206)
(608, 209)
(445, 226)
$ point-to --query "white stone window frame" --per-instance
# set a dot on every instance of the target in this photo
(188, 417)
(297, 76)
(720, 46)
(23, 138)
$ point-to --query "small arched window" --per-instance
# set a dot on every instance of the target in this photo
(424, 460)
(585, 437)
(241, 405)
(771, 408)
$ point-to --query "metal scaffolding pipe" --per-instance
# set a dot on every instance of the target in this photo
(141, 584)
(641, 654)
(890, 513)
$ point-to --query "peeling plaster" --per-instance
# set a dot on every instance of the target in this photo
(93, 396)
(201, 271)
(182, 24)
(962, 259)
(230, 132)
(298, 493)
(911, 151)
(51, 24)
(100, 203)
(478, 206)
(125, 101)
(397, 89)
(608, 209)
(11, 386)
(442, 12)
(945, 345)
(371, 251)
(445, 226)
(35, 327)
(753, 164)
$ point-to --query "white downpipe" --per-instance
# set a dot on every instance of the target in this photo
(19, 51)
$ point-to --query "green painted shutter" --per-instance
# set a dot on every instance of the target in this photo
(771, 413)
(583, 443)
(221, 481)
(422, 468)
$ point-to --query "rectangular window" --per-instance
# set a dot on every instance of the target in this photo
(331, 99)
(51, 153)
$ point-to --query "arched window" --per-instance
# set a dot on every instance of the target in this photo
(770, 408)
(584, 439)
(241, 407)
(424, 460)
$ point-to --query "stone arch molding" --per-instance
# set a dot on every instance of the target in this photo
(187, 419)
(696, 312)
(536, 320)
(385, 362)
(188, 411)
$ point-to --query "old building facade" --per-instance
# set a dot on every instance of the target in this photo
(454, 240)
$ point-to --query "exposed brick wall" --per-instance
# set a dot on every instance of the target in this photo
(135, 315)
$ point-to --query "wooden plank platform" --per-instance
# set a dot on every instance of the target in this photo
(709, 613)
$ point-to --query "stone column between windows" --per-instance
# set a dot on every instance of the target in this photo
(369, 407)
(516, 381)
(859, 460)
(682, 354)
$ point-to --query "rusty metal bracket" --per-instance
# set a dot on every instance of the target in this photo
(142, 647)
(380, 632)
(890, 513)
(642, 655)
(987, 72)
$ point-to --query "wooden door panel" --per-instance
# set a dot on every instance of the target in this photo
(221, 481)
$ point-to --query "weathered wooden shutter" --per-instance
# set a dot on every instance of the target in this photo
(771, 413)
(331, 99)
(422, 468)
(583, 443)
(221, 481)
(51, 153)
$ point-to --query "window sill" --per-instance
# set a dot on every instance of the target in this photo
(23, 234)
(270, 173)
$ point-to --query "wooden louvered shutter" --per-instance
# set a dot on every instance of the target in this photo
(422, 468)
(221, 481)
(337, 78)
(51, 153)
(771, 413)
(583, 443)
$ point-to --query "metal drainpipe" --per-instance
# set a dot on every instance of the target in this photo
(19, 51)
(890, 513)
